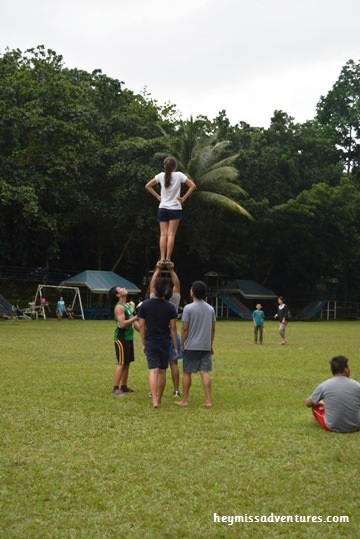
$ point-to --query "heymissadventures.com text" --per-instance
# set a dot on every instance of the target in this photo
(234, 519)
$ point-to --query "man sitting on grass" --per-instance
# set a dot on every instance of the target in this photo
(336, 402)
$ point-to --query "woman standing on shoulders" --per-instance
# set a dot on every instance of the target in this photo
(170, 207)
(283, 316)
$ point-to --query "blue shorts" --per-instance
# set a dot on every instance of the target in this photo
(171, 355)
(165, 215)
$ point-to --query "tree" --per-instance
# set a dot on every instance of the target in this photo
(310, 238)
(277, 163)
(340, 110)
(43, 129)
(204, 159)
(75, 152)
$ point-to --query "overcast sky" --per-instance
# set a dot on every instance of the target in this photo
(249, 57)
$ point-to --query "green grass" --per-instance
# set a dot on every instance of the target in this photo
(77, 462)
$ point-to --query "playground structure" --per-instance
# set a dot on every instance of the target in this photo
(95, 286)
(332, 286)
(312, 309)
(326, 304)
(227, 298)
(233, 305)
(8, 311)
(37, 307)
(40, 308)
(6, 308)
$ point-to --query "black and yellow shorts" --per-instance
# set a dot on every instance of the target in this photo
(124, 351)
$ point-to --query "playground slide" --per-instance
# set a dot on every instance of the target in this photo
(5, 306)
(312, 309)
(236, 307)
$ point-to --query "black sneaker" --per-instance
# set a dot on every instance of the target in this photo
(176, 394)
(127, 389)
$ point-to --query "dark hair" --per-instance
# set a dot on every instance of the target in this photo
(160, 287)
(338, 364)
(169, 289)
(282, 298)
(170, 165)
(113, 299)
(199, 289)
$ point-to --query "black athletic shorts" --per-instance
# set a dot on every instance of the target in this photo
(157, 354)
(124, 351)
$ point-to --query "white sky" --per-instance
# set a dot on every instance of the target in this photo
(249, 57)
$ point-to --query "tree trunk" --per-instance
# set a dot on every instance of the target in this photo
(125, 246)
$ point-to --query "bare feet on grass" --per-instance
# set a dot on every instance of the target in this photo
(182, 403)
(207, 404)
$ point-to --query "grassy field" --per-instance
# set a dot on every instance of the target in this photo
(77, 462)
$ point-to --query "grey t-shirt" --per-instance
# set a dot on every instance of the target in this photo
(341, 396)
(201, 317)
(175, 300)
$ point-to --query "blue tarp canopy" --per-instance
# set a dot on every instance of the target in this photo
(248, 289)
(100, 282)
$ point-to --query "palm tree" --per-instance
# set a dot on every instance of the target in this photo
(200, 156)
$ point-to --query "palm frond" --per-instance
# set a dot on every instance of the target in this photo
(217, 152)
(224, 202)
(226, 173)
(223, 187)
(201, 157)
(228, 161)
(201, 160)
(196, 162)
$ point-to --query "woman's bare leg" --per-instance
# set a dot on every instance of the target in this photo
(171, 233)
(164, 226)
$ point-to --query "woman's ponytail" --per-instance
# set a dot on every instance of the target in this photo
(170, 166)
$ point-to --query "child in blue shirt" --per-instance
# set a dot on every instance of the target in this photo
(258, 317)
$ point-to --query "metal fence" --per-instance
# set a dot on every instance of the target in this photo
(40, 275)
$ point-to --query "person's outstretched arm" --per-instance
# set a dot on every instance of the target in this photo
(175, 279)
(155, 276)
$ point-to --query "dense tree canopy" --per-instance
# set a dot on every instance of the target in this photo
(339, 110)
(279, 205)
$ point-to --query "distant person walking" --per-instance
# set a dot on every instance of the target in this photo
(282, 316)
(170, 207)
(258, 317)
